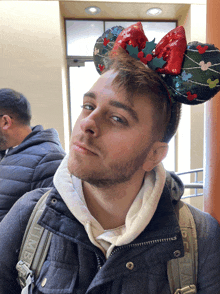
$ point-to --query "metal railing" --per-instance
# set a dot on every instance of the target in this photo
(196, 184)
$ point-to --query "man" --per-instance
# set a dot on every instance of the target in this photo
(29, 156)
(112, 212)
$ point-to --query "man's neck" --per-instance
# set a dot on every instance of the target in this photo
(110, 205)
(18, 136)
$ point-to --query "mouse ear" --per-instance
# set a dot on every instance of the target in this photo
(199, 79)
(104, 45)
(132, 36)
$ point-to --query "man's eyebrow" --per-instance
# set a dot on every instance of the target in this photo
(131, 111)
(90, 94)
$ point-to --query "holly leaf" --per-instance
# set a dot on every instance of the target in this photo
(156, 63)
(150, 46)
(133, 51)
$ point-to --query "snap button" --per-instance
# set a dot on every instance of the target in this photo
(53, 200)
(177, 253)
(130, 265)
(44, 282)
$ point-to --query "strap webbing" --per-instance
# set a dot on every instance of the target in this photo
(34, 247)
(182, 272)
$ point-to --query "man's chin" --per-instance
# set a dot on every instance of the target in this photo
(92, 179)
(98, 181)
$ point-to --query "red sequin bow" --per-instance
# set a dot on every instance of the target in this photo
(167, 55)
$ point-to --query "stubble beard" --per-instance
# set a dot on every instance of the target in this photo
(3, 142)
(116, 173)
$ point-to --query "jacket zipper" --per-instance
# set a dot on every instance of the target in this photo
(135, 245)
(99, 262)
(144, 243)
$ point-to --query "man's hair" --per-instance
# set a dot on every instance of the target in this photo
(16, 105)
(137, 79)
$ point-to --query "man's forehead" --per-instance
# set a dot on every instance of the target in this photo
(103, 83)
(107, 82)
(107, 78)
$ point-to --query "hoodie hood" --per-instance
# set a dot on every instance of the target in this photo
(175, 186)
(138, 217)
(36, 137)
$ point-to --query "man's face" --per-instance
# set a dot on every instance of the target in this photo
(112, 136)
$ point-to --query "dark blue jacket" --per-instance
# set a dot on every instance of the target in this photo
(76, 266)
(28, 166)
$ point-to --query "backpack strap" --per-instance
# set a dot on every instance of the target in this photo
(34, 248)
(182, 272)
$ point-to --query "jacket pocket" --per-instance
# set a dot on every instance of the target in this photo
(56, 278)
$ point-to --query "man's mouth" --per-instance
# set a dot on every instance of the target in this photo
(83, 148)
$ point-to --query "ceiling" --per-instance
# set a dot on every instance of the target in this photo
(123, 10)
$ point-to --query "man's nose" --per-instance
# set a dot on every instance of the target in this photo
(89, 125)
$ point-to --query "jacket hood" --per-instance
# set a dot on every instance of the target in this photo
(175, 185)
(36, 137)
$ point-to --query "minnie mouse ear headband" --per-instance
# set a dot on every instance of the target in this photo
(190, 71)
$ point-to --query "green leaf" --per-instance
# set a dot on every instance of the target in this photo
(156, 63)
(133, 51)
(150, 46)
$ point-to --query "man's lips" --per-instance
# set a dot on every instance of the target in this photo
(83, 148)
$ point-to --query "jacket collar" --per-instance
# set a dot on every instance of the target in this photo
(164, 225)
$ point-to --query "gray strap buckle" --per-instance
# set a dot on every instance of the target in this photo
(187, 290)
(26, 277)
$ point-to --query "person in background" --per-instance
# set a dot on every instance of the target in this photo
(29, 156)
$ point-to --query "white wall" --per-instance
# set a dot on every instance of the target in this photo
(32, 58)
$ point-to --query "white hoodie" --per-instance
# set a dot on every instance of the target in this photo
(138, 216)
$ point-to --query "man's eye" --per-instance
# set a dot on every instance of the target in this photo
(87, 107)
(120, 120)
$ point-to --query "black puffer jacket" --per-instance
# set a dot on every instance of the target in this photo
(28, 166)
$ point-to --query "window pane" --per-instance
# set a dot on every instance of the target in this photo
(169, 160)
(82, 35)
(151, 29)
(81, 80)
(157, 30)
(124, 24)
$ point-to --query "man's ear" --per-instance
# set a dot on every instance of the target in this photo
(156, 154)
(6, 122)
